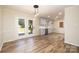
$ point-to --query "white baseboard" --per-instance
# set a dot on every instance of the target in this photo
(72, 43)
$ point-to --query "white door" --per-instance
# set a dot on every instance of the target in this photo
(21, 28)
(30, 28)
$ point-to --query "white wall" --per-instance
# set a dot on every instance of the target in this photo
(72, 25)
(36, 26)
(10, 30)
(57, 29)
(0, 27)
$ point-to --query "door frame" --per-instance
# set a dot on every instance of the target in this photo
(24, 36)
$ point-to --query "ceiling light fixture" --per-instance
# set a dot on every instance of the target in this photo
(36, 10)
(60, 13)
(48, 16)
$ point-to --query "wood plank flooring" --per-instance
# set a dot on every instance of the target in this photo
(52, 43)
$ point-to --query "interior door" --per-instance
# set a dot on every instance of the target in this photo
(21, 28)
(30, 28)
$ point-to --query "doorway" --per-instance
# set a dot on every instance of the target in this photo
(25, 28)
(21, 28)
(30, 28)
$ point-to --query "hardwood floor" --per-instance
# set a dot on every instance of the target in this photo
(52, 43)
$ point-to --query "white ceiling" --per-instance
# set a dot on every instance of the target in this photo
(44, 10)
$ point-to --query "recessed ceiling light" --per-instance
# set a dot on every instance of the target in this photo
(48, 16)
(60, 13)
